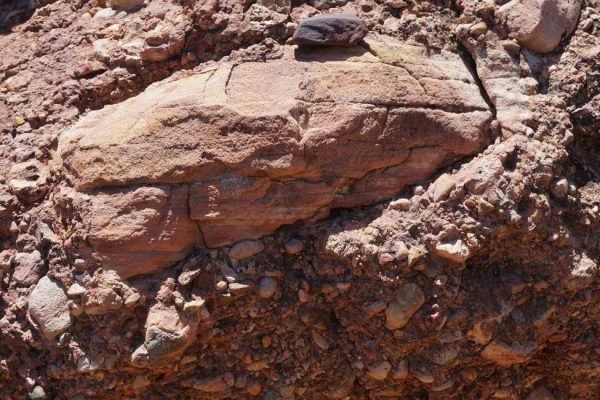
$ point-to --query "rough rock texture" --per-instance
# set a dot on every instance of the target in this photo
(249, 155)
(540, 24)
(331, 30)
(48, 307)
(405, 304)
(28, 268)
(413, 217)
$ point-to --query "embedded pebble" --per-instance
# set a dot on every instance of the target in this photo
(508, 354)
(48, 306)
(101, 301)
(75, 290)
(245, 249)
(267, 287)
(124, 4)
(37, 393)
(294, 246)
(423, 374)
(240, 289)
(457, 252)
(400, 204)
(132, 300)
(401, 371)
(380, 371)
(28, 268)
(409, 298)
(479, 28)
(560, 188)
(375, 308)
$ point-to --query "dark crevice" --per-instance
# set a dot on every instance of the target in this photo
(467, 58)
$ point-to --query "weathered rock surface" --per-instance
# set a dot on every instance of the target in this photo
(49, 308)
(249, 154)
(500, 74)
(28, 268)
(139, 227)
(513, 317)
(331, 30)
(167, 336)
(508, 354)
(540, 24)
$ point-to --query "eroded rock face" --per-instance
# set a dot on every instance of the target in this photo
(139, 227)
(248, 153)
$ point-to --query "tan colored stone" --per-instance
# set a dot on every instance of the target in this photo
(245, 249)
(504, 354)
(407, 302)
(457, 251)
(124, 4)
(380, 371)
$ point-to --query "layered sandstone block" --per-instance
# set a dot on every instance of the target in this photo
(237, 151)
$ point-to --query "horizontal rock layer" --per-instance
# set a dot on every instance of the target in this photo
(237, 151)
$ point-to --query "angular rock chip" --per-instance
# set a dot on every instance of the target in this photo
(167, 337)
(408, 300)
(457, 252)
(28, 268)
(338, 29)
(48, 306)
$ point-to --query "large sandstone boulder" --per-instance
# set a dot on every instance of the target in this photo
(540, 24)
(237, 151)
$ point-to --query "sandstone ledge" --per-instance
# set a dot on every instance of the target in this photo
(237, 151)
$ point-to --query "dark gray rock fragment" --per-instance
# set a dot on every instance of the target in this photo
(331, 30)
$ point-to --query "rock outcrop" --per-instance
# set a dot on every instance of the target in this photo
(458, 166)
(229, 154)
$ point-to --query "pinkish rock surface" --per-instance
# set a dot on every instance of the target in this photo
(248, 154)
